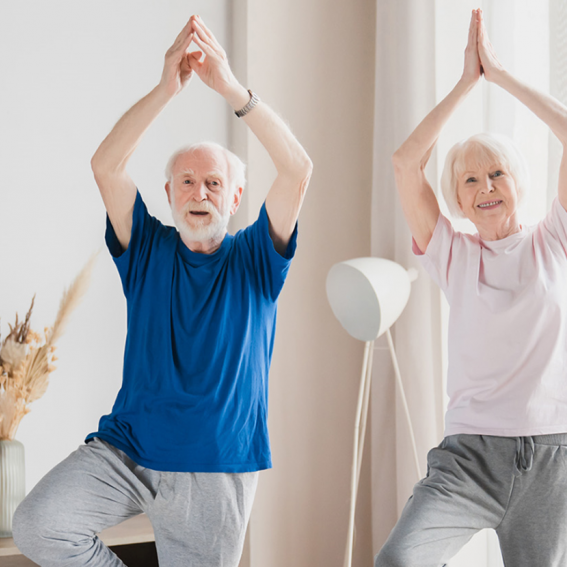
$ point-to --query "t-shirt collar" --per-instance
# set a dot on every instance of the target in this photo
(198, 258)
(504, 243)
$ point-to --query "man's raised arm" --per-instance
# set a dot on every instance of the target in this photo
(109, 162)
(293, 165)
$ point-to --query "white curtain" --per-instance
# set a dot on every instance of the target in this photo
(419, 56)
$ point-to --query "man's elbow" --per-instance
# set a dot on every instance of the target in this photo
(103, 168)
(303, 168)
(304, 174)
(97, 164)
(307, 168)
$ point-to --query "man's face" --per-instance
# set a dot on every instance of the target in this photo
(201, 195)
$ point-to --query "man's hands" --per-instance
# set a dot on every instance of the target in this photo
(213, 70)
(177, 70)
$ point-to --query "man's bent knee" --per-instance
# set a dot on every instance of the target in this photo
(24, 528)
(37, 534)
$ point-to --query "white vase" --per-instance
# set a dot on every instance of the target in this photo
(12, 482)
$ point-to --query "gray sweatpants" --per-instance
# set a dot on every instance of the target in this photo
(199, 519)
(515, 485)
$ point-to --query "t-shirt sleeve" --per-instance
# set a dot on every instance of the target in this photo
(270, 268)
(555, 224)
(437, 258)
(132, 262)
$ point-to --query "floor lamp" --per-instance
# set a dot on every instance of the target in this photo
(367, 295)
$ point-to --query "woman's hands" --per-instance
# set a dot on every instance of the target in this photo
(472, 69)
(480, 58)
(491, 66)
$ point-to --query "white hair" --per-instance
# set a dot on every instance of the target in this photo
(485, 149)
(237, 168)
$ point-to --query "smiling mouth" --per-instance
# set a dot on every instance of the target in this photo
(489, 204)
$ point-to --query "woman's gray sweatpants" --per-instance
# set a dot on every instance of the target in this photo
(199, 519)
(515, 485)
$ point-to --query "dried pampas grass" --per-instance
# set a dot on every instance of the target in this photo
(26, 358)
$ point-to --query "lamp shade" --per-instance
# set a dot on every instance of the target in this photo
(367, 295)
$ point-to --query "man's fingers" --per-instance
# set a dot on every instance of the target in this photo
(207, 48)
(205, 29)
(194, 59)
(206, 35)
(187, 30)
(187, 42)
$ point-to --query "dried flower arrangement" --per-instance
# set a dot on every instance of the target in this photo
(26, 357)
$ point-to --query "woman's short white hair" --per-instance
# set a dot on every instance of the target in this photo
(237, 167)
(484, 149)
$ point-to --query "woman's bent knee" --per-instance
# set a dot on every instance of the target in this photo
(395, 556)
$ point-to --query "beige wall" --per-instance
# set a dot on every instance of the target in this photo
(314, 63)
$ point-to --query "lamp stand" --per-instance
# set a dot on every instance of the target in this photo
(360, 431)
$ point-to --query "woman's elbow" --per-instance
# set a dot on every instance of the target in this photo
(400, 159)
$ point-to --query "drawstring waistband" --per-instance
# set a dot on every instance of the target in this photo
(524, 454)
(525, 449)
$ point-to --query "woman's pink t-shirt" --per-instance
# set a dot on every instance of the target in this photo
(507, 370)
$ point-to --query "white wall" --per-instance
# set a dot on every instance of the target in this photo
(68, 70)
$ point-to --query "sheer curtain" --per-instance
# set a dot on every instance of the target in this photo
(419, 58)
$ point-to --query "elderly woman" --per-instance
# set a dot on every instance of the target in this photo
(503, 461)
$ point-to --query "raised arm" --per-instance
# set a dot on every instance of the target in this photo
(292, 163)
(544, 106)
(417, 197)
(109, 162)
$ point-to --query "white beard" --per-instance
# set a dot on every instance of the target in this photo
(202, 229)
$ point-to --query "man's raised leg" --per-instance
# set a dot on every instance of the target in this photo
(96, 487)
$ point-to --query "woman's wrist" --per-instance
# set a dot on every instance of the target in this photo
(499, 77)
(465, 85)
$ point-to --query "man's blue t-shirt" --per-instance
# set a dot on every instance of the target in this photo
(194, 395)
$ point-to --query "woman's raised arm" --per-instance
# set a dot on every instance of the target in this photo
(418, 199)
(544, 106)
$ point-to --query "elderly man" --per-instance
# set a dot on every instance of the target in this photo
(187, 434)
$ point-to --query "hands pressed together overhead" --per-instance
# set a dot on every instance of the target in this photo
(180, 63)
(480, 58)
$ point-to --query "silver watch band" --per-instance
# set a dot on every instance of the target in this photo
(254, 100)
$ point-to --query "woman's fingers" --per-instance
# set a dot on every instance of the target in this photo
(472, 29)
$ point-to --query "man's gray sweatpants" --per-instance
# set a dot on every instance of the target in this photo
(515, 485)
(199, 519)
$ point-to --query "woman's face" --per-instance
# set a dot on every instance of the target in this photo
(488, 196)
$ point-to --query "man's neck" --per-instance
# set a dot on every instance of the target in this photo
(204, 247)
